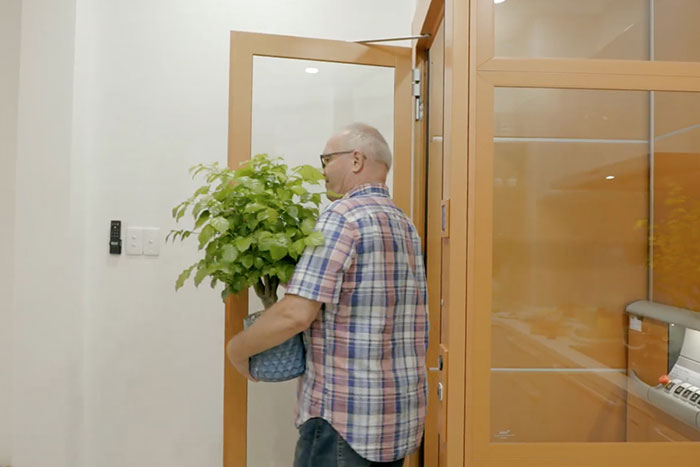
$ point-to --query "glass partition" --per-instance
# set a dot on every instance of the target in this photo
(604, 29)
(588, 212)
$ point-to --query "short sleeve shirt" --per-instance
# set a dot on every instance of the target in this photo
(365, 364)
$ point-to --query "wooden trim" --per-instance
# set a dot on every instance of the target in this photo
(235, 386)
(457, 52)
(317, 49)
(592, 81)
(418, 205)
(429, 15)
(235, 390)
(482, 13)
(433, 250)
(427, 20)
(472, 424)
(585, 454)
(643, 68)
(422, 7)
(244, 46)
(403, 116)
(479, 275)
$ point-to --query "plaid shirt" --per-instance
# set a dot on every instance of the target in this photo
(365, 364)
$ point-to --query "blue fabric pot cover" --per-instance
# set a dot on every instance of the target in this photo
(281, 363)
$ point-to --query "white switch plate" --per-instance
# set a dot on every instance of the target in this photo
(151, 241)
(134, 241)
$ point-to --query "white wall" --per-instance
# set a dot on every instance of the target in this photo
(47, 321)
(9, 64)
(112, 368)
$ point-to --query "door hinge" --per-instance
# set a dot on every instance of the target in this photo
(417, 94)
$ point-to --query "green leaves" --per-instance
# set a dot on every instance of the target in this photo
(307, 225)
(220, 224)
(251, 222)
(243, 243)
(310, 174)
(315, 239)
(229, 253)
(184, 275)
(205, 235)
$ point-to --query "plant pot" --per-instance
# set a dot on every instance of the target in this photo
(281, 363)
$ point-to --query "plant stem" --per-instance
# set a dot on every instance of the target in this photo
(267, 290)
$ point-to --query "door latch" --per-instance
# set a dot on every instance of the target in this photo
(439, 365)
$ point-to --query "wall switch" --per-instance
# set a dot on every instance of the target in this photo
(134, 241)
(151, 241)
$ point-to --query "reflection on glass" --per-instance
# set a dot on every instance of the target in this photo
(297, 105)
(606, 29)
(615, 29)
(571, 249)
(676, 226)
(676, 32)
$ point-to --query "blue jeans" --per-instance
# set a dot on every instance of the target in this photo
(320, 445)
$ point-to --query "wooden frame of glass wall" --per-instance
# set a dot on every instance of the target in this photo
(471, 65)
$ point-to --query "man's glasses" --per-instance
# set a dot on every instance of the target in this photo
(325, 158)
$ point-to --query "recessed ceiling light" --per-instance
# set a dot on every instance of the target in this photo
(311, 70)
(498, 1)
(610, 177)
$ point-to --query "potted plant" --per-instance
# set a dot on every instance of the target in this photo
(253, 224)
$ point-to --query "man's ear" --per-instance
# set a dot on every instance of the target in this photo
(358, 161)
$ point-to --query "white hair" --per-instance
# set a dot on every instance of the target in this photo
(368, 140)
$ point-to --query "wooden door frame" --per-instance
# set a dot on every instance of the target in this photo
(434, 253)
(244, 46)
(429, 15)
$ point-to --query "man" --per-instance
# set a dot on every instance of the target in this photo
(360, 300)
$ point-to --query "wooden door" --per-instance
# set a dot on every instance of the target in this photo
(246, 48)
(437, 256)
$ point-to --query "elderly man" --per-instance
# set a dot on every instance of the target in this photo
(360, 300)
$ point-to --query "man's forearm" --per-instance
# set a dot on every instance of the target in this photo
(275, 326)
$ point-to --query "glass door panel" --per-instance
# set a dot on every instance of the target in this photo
(296, 106)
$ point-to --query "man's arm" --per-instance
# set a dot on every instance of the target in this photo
(286, 318)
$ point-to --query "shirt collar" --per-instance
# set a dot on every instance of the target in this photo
(368, 189)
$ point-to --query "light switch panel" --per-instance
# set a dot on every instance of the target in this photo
(134, 241)
(151, 241)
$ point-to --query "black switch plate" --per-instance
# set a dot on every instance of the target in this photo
(115, 238)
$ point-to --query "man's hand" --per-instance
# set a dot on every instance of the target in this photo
(241, 364)
(243, 367)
